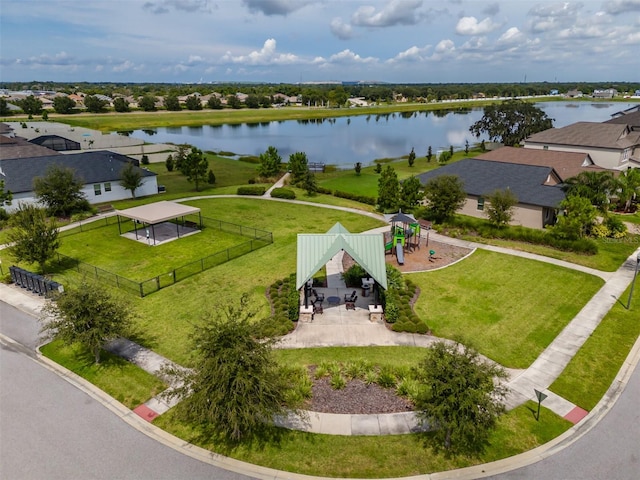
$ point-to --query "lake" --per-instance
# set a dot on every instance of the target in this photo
(344, 141)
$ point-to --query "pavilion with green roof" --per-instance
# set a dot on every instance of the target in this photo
(316, 249)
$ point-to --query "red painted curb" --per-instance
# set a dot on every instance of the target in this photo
(145, 412)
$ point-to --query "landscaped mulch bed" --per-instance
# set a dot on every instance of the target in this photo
(356, 398)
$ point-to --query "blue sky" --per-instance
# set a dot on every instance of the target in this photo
(320, 40)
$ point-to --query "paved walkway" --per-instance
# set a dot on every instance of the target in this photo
(337, 327)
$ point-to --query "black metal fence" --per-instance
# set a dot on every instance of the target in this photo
(257, 239)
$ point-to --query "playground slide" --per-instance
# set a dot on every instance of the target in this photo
(388, 246)
(399, 254)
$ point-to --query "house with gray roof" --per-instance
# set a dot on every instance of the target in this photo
(610, 145)
(538, 188)
(99, 170)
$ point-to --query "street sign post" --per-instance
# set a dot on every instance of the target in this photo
(540, 396)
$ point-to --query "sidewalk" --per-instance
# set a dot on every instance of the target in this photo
(337, 329)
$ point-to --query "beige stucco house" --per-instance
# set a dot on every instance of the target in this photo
(538, 188)
(611, 146)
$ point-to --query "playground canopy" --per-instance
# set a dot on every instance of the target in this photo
(315, 250)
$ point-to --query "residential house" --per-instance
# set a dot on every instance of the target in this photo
(606, 93)
(574, 93)
(17, 147)
(537, 188)
(610, 145)
(629, 116)
(565, 164)
(99, 170)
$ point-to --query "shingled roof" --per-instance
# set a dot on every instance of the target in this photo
(92, 167)
(481, 177)
(565, 164)
(17, 147)
(585, 134)
(632, 119)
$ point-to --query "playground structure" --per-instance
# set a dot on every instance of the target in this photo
(404, 236)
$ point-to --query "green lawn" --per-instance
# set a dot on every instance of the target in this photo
(611, 252)
(591, 372)
(509, 308)
(106, 249)
(125, 382)
(377, 457)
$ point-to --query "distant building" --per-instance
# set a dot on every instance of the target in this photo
(606, 93)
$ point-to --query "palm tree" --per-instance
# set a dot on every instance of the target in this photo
(628, 187)
(595, 186)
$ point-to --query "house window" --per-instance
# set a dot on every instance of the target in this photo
(480, 203)
(97, 189)
(107, 187)
(546, 147)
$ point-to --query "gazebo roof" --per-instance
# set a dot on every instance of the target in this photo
(315, 250)
(158, 212)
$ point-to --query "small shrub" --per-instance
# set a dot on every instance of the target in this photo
(144, 160)
(321, 370)
(211, 177)
(353, 276)
(409, 388)
(371, 377)
(391, 312)
(338, 382)
(283, 193)
(78, 217)
(256, 190)
(169, 163)
(386, 378)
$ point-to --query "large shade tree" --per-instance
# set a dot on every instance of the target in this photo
(236, 385)
(33, 237)
(512, 121)
(444, 195)
(195, 167)
(88, 315)
(60, 189)
(270, 163)
(461, 397)
(388, 189)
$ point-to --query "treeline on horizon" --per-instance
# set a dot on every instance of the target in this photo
(371, 92)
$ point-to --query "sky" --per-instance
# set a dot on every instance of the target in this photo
(290, 41)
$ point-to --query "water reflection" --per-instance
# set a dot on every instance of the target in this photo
(347, 140)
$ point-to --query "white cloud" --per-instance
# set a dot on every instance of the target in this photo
(340, 29)
(471, 26)
(445, 46)
(347, 56)
(396, 12)
(412, 54)
(511, 36)
(266, 55)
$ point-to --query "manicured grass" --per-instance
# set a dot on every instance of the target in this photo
(228, 172)
(105, 248)
(376, 457)
(611, 252)
(592, 370)
(125, 382)
(392, 356)
(509, 308)
(367, 182)
(168, 316)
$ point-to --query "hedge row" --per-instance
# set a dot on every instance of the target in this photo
(283, 193)
(285, 305)
(522, 234)
(358, 198)
(256, 190)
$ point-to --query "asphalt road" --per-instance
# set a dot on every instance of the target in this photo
(608, 451)
(50, 429)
